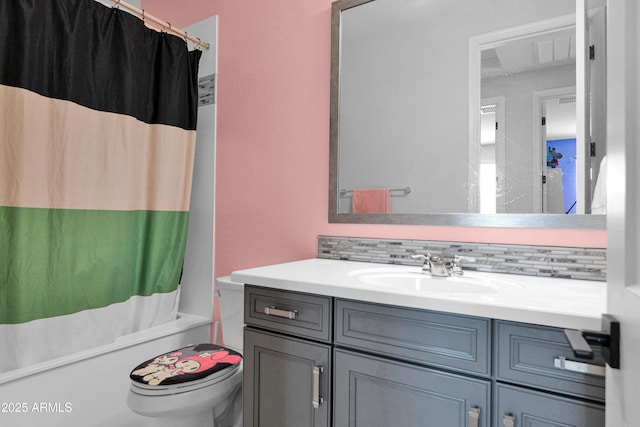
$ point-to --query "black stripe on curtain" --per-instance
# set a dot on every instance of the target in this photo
(71, 56)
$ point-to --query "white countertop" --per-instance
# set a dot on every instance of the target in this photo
(564, 303)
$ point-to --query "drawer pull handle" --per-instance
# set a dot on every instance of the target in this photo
(288, 314)
(508, 420)
(474, 416)
(585, 368)
(317, 400)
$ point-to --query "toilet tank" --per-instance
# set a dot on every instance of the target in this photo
(231, 296)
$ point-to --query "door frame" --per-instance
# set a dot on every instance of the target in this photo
(623, 206)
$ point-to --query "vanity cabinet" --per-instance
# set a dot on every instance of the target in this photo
(313, 360)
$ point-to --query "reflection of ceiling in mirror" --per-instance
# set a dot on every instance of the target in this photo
(531, 53)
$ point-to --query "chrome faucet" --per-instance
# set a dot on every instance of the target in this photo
(443, 266)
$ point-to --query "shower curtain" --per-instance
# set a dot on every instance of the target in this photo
(97, 139)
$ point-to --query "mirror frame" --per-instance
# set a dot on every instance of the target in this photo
(503, 220)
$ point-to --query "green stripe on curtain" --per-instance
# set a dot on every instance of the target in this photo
(53, 260)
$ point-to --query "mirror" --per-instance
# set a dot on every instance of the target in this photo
(417, 88)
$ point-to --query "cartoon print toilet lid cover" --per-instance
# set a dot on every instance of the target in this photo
(185, 364)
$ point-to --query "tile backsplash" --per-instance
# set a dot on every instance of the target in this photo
(544, 261)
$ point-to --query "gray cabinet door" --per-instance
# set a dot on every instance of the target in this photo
(279, 381)
(520, 407)
(374, 392)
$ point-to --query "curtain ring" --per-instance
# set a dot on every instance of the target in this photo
(142, 15)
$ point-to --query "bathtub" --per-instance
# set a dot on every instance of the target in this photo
(90, 388)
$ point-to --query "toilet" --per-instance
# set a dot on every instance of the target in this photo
(196, 385)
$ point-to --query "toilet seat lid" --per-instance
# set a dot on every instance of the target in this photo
(186, 364)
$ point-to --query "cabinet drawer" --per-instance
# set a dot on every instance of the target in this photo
(526, 354)
(460, 343)
(293, 313)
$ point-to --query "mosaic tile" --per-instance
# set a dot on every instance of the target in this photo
(542, 261)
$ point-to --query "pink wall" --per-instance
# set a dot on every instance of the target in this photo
(273, 137)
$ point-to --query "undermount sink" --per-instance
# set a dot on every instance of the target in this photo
(416, 280)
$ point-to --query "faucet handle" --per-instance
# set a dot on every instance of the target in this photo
(457, 263)
(426, 267)
(428, 257)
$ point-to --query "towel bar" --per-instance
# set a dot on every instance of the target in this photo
(404, 190)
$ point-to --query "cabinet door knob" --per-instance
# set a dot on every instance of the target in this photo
(288, 314)
(474, 416)
(508, 420)
(317, 400)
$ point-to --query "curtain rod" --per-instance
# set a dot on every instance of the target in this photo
(166, 25)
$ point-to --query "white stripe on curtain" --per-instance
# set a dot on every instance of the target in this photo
(45, 339)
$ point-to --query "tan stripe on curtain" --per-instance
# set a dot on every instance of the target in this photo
(109, 161)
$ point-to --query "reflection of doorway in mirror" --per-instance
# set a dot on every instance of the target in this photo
(519, 62)
(559, 153)
(562, 156)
